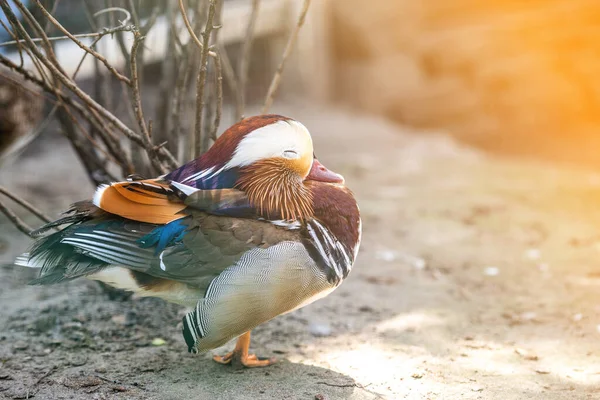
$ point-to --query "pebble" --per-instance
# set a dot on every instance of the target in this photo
(320, 329)
(20, 345)
(491, 271)
(386, 255)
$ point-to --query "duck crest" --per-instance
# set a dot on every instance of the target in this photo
(206, 172)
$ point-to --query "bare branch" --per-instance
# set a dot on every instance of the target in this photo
(186, 21)
(245, 62)
(16, 221)
(99, 56)
(286, 53)
(201, 81)
(135, 85)
(25, 204)
(219, 105)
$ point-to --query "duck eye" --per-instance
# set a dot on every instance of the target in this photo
(290, 154)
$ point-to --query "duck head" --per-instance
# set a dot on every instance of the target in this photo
(271, 158)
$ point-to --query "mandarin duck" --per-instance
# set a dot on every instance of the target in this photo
(254, 228)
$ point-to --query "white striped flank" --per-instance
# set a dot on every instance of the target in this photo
(332, 251)
(290, 225)
(263, 283)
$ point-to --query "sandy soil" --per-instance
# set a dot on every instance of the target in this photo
(477, 279)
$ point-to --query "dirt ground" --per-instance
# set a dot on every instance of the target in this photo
(477, 278)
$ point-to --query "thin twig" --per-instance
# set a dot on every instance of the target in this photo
(186, 21)
(25, 204)
(16, 42)
(219, 105)
(84, 96)
(229, 72)
(286, 53)
(245, 62)
(167, 83)
(135, 87)
(99, 56)
(17, 222)
(201, 81)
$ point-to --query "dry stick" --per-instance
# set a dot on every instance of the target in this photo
(167, 83)
(111, 142)
(219, 105)
(186, 21)
(20, 48)
(84, 96)
(53, 11)
(137, 104)
(213, 113)
(201, 81)
(245, 62)
(16, 221)
(84, 154)
(28, 206)
(60, 97)
(42, 33)
(83, 46)
(181, 82)
(286, 53)
(190, 55)
(135, 87)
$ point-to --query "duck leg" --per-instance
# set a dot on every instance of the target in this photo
(239, 356)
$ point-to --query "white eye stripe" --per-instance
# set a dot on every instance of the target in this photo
(290, 154)
(272, 140)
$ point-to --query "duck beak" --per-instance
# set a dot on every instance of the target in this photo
(318, 172)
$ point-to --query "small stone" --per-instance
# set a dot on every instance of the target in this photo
(491, 271)
(417, 375)
(477, 389)
(20, 345)
(118, 319)
(78, 361)
(386, 255)
(542, 371)
(577, 317)
(319, 329)
(320, 397)
(100, 370)
(526, 355)
(528, 316)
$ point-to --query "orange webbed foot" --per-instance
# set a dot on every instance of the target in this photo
(239, 357)
(248, 361)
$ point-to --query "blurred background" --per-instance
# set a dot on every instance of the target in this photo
(513, 76)
(469, 133)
